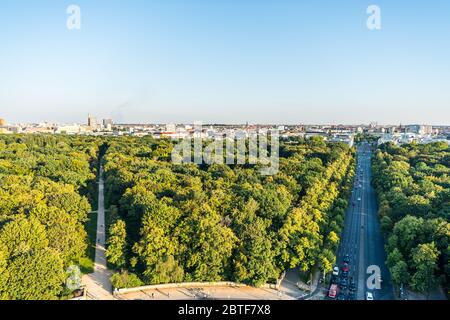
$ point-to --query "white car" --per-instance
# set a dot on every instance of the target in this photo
(335, 271)
(369, 296)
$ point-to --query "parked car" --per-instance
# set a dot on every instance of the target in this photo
(369, 296)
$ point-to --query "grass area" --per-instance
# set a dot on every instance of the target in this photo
(87, 263)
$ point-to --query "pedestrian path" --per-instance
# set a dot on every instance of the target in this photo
(98, 284)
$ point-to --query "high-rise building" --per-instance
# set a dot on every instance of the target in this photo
(92, 122)
(107, 122)
(2, 122)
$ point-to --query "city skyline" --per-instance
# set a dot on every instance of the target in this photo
(102, 120)
(284, 62)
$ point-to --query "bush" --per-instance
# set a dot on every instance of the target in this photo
(125, 280)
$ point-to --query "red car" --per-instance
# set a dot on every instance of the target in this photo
(332, 293)
(345, 267)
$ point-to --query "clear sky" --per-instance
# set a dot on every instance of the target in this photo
(261, 61)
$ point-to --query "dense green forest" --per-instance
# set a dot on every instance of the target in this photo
(413, 185)
(47, 185)
(166, 222)
(172, 223)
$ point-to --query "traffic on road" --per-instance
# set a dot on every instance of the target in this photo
(361, 241)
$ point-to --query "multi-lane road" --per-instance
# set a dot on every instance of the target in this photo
(361, 238)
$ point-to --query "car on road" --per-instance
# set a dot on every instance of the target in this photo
(347, 258)
(335, 271)
(369, 296)
(351, 295)
(352, 285)
(333, 291)
(359, 199)
(343, 284)
(334, 279)
(341, 296)
(345, 267)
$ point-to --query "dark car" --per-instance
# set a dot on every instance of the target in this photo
(334, 279)
(351, 295)
(352, 285)
(343, 284)
(347, 259)
(344, 274)
(341, 296)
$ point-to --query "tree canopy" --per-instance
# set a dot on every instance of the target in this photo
(225, 222)
(413, 186)
(47, 184)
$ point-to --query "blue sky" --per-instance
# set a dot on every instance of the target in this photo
(261, 61)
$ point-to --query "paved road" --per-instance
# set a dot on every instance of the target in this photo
(98, 284)
(361, 238)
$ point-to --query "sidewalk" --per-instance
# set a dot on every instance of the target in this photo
(291, 282)
(98, 284)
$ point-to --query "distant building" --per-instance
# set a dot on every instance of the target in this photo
(37, 130)
(171, 127)
(107, 124)
(2, 122)
(409, 137)
(419, 129)
(92, 122)
(390, 130)
(345, 138)
(68, 129)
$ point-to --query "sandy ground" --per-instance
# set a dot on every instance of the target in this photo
(219, 293)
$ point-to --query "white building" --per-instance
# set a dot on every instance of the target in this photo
(68, 129)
